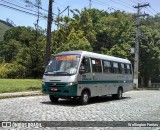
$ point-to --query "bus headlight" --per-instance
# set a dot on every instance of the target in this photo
(43, 83)
(71, 83)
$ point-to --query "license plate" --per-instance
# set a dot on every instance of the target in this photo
(54, 89)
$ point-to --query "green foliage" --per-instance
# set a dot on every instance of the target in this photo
(150, 54)
(3, 28)
(91, 30)
(24, 48)
(113, 30)
(76, 41)
(87, 26)
(5, 69)
(122, 50)
(9, 49)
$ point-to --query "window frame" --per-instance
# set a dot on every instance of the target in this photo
(109, 68)
(115, 69)
(90, 69)
(97, 67)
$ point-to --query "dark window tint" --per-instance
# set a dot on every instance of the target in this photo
(96, 65)
(85, 64)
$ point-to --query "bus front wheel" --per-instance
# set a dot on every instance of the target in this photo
(118, 96)
(53, 98)
(84, 98)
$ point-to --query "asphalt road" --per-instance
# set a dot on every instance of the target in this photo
(135, 106)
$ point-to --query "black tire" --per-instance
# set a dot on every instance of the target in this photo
(119, 94)
(53, 99)
(84, 98)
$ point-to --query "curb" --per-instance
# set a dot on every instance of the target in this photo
(20, 94)
(141, 89)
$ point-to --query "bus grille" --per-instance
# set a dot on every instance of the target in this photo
(55, 85)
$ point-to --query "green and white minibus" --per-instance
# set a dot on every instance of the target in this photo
(81, 74)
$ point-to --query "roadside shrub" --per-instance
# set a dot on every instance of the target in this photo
(5, 69)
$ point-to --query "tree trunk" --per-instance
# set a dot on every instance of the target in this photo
(142, 82)
(149, 82)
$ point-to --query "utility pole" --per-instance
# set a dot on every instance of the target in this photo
(90, 3)
(136, 60)
(38, 7)
(58, 19)
(68, 11)
(48, 40)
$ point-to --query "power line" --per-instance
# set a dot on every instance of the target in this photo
(19, 10)
(122, 4)
(40, 7)
(153, 10)
(18, 2)
(126, 3)
(41, 15)
(113, 7)
(63, 10)
(29, 13)
(18, 6)
(133, 1)
(150, 11)
(104, 4)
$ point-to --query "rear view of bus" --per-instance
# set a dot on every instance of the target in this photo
(82, 75)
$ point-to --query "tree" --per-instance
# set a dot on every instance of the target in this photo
(114, 29)
(75, 41)
(24, 47)
(9, 50)
(149, 54)
(87, 26)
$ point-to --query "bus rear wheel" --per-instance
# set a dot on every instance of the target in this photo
(53, 99)
(118, 96)
(84, 98)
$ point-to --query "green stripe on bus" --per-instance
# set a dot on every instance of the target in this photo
(104, 81)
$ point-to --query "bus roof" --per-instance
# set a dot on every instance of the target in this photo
(95, 55)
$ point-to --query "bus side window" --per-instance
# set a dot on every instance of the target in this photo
(127, 69)
(115, 67)
(107, 68)
(96, 65)
(85, 64)
(122, 68)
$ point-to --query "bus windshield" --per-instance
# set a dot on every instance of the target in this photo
(63, 65)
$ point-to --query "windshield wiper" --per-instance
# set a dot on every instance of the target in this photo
(65, 73)
(56, 73)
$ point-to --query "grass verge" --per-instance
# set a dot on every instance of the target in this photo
(19, 85)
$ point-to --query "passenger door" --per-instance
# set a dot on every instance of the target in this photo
(85, 78)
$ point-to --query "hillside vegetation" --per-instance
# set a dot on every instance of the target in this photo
(4, 26)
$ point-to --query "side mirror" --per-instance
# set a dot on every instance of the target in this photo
(81, 71)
